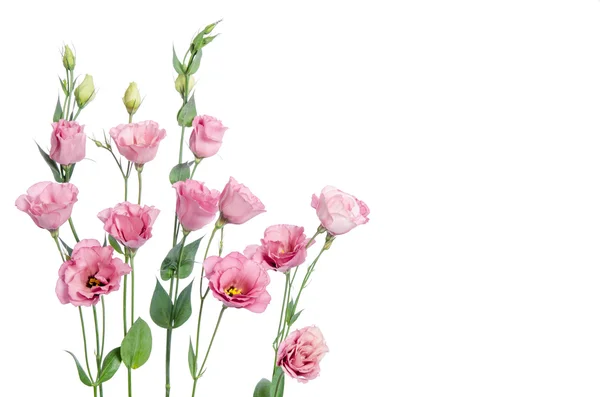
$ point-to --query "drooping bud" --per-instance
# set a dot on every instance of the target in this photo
(68, 58)
(85, 92)
(180, 84)
(132, 98)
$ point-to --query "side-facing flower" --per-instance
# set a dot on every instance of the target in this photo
(237, 203)
(197, 205)
(67, 142)
(92, 271)
(49, 204)
(128, 223)
(138, 142)
(207, 136)
(238, 281)
(300, 353)
(339, 212)
(282, 248)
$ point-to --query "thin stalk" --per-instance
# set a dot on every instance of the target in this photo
(125, 300)
(87, 361)
(70, 90)
(196, 163)
(73, 229)
(98, 352)
(103, 325)
(64, 108)
(130, 118)
(132, 289)
(221, 242)
(139, 172)
(75, 118)
(55, 238)
(212, 339)
(319, 231)
(284, 303)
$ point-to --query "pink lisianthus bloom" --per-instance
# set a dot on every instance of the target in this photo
(238, 281)
(207, 136)
(282, 248)
(237, 203)
(138, 142)
(339, 212)
(92, 271)
(128, 223)
(197, 205)
(49, 204)
(300, 353)
(67, 142)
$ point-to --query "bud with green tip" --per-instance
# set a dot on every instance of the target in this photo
(132, 98)
(85, 92)
(180, 84)
(209, 28)
(68, 59)
(200, 41)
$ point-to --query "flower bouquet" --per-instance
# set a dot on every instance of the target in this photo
(89, 271)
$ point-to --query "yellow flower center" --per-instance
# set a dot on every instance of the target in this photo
(94, 282)
(231, 291)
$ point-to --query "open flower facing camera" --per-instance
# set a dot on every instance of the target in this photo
(90, 271)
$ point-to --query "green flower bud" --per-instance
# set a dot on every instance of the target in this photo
(180, 84)
(209, 28)
(85, 92)
(132, 99)
(68, 58)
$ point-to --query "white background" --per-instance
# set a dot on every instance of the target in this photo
(470, 128)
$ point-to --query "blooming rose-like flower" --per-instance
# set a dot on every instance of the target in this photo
(300, 353)
(207, 136)
(49, 204)
(237, 203)
(92, 271)
(339, 212)
(196, 204)
(67, 143)
(238, 281)
(138, 142)
(128, 223)
(282, 248)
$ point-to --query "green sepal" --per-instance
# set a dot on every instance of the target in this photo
(69, 249)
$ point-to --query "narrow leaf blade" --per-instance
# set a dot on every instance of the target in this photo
(52, 164)
(263, 388)
(57, 111)
(82, 375)
(186, 267)
(176, 64)
(192, 360)
(115, 244)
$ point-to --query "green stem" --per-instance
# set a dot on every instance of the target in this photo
(286, 298)
(125, 300)
(221, 242)
(319, 231)
(125, 179)
(55, 238)
(64, 108)
(75, 118)
(175, 231)
(185, 100)
(196, 163)
(98, 351)
(130, 118)
(70, 87)
(73, 229)
(85, 349)
(103, 325)
(212, 339)
(139, 172)
(129, 383)
(278, 383)
(132, 289)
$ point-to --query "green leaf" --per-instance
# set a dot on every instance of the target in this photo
(110, 366)
(294, 318)
(104, 243)
(169, 265)
(278, 383)
(183, 307)
(69, 249)
(115, 244)
(160, 307)
(192, 360)
(195, 64)
(289, 311)
(57, 111)
(180, 172)
(52, 164)
(82, 375)
(176, 64)
(263, 388)
(137, 345)
(187, 113)
(63, 86)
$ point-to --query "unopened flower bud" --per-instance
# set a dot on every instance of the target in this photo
(85, 92)
(132, 99)
(180, 84)
(68, 58)
(209, 28)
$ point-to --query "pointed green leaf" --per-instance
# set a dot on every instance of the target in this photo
(169, 264)
(110, 366)
(105, 242)
(52, 164)
(278, 383)
(189, 259)
(160, 307)
(57, 111)
(63, 86)
(115, 244)
(176, 64)
(263, 388)
(137, 345)
(289, 311)
(192, 360)
(294, 318)
(195, 65)
(69, 249)
(180, 172)
(82, 375)
(183, 307)
(187, 113)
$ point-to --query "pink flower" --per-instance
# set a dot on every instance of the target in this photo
(67, 142)
(283, 248)
(238, 281)
(128, 223)
(138, 142)
(300, 353)
(49, 204)
(92, 271)
(196, 204)
(207, 136)
(339, 212)
(237, 203)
